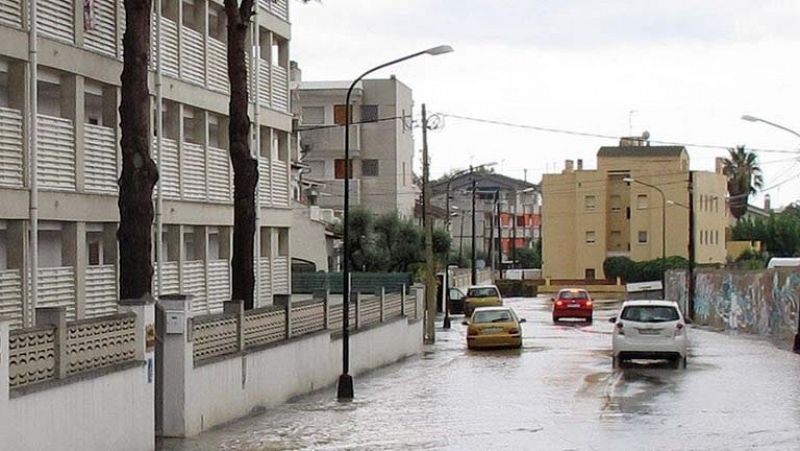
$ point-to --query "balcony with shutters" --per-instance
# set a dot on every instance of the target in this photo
(278, 8)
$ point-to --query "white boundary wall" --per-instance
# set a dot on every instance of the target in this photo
(112, 410)
(225, 390)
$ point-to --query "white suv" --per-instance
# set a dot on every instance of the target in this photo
(650, 330)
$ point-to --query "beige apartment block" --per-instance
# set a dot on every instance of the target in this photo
(590, 215)
(381, 142)
(78, 71)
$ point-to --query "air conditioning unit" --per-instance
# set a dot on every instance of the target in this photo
(314, 213)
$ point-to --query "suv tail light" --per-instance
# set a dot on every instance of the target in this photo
(620, 328)
(679, 329)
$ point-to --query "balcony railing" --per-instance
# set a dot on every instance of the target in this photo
(55, 19)
(169, 39)
(56, 153)
(170, 167)
(193, 171)
(101, 290)
(280, 275)
(264, 184)
(217, 66)
(279, 8)
(280, 183)
(11, 150)
(194, 283)
(57, 289)
(11, 296)
(11, 13)
(192, 56)
(101, 159)
(101, 38)
(265, 284)
(280, 88)
(219, 175)
(171, 281)
(219, 284)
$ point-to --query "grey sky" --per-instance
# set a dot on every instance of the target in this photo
(689, 68)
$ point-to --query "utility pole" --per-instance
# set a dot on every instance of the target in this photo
(461, 240)
(491, 236)
(514, 233)
(430, 282)
(690, 293)
(474, 247)
(499, 232)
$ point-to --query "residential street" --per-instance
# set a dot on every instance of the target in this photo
(558, 392)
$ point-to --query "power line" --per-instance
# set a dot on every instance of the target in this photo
(603, 136)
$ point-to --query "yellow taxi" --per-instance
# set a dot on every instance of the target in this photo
(491, 327)
(481, 296)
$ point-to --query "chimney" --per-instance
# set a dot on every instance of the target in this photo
(767, 203)
(568, 165)
(720, 165)
(580, 164)
(295, 74)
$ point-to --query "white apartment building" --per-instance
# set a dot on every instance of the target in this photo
(79, 67)
(381, 142)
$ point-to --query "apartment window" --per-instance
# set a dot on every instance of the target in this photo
(589, 274)
(590, 202)
(521, 221)
(313, 115)
(616, 202)
(339, 168)
(590, 237)
(616, 239)
(369, 113)
(641, 201)
(369, 168)
(340, 114)
(642, 236)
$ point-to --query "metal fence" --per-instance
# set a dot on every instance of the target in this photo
(236, 330)
(310, 282)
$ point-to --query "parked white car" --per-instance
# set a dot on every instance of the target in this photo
(650, 330)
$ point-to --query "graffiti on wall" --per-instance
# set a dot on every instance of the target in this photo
(763, 302)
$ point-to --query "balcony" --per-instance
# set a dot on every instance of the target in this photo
(329, 141)
(193, 66)
(11, 13)
(278, 8)
(56, 153)
(100, 144)
(333, 196)
(101, 38)
(217, 66)
(101, 290)
(56, 22)
(220, 176)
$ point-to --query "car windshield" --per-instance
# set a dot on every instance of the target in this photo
(492, 316)
(650, 314)
(573, 295)
(482, 292)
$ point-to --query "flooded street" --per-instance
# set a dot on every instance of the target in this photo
(558, 392)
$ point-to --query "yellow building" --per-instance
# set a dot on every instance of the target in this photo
(589, 215)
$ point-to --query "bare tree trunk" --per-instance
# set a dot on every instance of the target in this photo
(245, 167)
(139, 172)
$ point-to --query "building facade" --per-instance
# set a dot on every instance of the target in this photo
(515, 201)
(381, 143)
(590, 215)
(78, 157)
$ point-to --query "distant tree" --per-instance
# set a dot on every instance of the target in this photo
(744, 178)
(780, 233)
(529, 258)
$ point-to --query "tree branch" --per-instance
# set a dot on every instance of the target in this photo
(246, 11)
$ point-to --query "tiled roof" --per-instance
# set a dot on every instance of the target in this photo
(641, 151)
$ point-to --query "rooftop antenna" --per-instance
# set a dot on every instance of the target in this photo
(630, 122)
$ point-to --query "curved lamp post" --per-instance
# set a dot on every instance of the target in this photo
(747, 117)
(345, 387)
(663, 227)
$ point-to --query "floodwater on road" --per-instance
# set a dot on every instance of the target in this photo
(558, 392)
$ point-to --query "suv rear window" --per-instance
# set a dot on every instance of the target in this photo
(482, 292)
(650, 314)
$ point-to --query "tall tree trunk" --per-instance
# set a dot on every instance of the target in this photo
(139, 172)
(245, 167)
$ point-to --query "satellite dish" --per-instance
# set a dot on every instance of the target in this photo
(646, 135)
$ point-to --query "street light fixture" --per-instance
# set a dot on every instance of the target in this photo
(663, 227)
(749, 118)
(345, 386)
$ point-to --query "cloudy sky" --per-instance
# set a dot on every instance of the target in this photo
(689, 70)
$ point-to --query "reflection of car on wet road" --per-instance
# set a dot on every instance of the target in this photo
(492, 327)
(572, 303)
(649, 330)
(482, 296)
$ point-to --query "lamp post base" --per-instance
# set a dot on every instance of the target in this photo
(345, 389)
(797, 343)
(446, 323)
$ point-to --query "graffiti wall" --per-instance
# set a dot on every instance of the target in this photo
(677, 288)
(762, 302)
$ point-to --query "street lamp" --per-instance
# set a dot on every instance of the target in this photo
(446, 297)
(747, 117)
(663, 227)
(345, 387)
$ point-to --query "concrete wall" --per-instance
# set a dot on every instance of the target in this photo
(308, 241)
(762, 302)
(232, 388)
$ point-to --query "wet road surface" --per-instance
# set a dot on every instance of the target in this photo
(558, 392)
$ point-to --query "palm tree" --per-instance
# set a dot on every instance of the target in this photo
(744, 178)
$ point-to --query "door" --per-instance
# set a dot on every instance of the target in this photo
(589, 274)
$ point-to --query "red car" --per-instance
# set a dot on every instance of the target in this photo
(572, 303)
